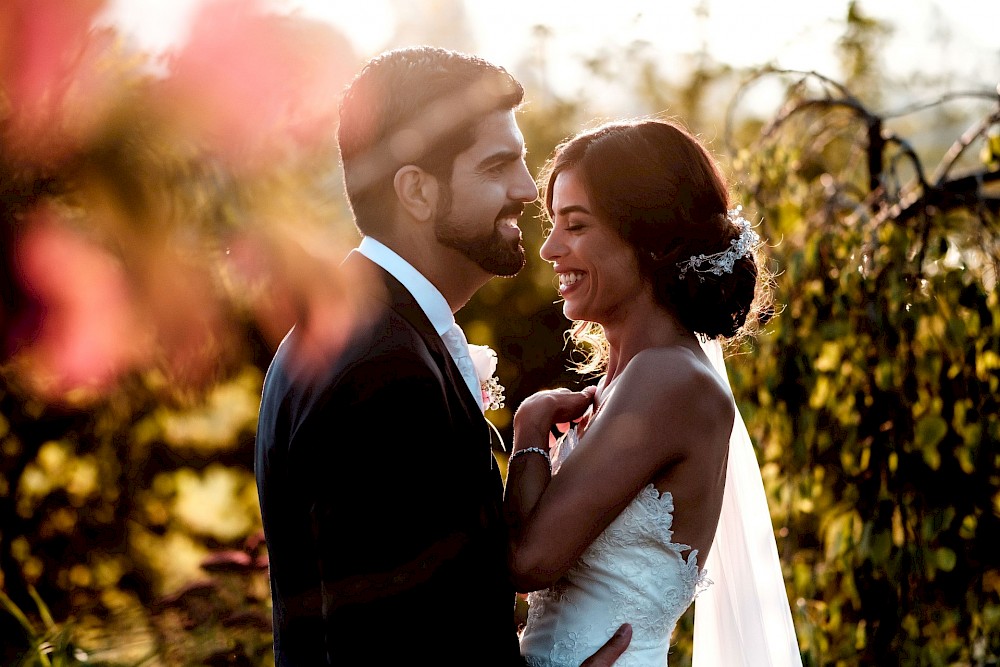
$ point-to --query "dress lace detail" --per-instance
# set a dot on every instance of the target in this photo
(632, 573)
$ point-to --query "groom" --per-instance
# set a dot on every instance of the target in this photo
(380, 495)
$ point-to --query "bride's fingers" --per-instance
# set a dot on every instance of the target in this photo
(571, 406)
(552, 406)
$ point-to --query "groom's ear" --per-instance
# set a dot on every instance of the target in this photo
(417, 192)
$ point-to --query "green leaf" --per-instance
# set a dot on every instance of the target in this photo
(930, 430)
(946, 559)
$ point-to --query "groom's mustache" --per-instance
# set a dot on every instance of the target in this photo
(515, 208)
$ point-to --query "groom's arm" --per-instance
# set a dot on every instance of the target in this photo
(377, 480)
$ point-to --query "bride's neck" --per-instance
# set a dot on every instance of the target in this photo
(659, 329)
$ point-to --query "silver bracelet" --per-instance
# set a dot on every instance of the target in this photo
(536, 450)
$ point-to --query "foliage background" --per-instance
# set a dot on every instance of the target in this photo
(154, 253)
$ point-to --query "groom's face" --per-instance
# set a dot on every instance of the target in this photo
(478, 209)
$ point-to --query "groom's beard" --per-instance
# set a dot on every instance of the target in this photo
(490, 249)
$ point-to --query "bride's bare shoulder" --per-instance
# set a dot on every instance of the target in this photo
(673, 364)
(676, 380)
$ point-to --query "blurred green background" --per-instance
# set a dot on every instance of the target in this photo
(163, 226)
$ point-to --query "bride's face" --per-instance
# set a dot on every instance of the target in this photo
(598, 273)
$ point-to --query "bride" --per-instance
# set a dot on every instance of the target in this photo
(653, 496)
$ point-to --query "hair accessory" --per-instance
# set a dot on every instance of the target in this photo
(722, 262)
(536, 450)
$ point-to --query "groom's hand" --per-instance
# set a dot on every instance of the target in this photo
(612, 649)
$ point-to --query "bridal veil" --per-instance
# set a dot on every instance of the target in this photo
(743, 619)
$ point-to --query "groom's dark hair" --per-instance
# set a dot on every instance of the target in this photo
(416, 105)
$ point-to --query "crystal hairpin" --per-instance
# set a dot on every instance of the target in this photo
(723, 261)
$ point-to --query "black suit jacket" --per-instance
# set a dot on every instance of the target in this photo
(381, 499)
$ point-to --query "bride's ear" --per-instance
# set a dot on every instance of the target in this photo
(417, 192)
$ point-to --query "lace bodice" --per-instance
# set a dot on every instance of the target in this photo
(632, 573)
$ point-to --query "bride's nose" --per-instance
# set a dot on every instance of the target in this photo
(553, 248)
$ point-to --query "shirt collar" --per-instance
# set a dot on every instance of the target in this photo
(426, 295)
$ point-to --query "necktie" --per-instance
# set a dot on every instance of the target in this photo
(458, 346)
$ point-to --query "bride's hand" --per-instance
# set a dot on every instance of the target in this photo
(535, 417)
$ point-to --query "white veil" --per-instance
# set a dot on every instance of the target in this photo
(743, 618)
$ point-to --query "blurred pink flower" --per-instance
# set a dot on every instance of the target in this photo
(82, 334)
(296, 281)
(89, 321)
(54, 73)
(255, 85)
(182, 306)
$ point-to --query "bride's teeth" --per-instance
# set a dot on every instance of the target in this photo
(567, 279)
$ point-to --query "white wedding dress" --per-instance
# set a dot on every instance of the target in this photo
(632, 573)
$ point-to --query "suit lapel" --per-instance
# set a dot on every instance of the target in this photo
(399, 299)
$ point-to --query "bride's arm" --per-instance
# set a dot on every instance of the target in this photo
(661, 410)
(529, 467)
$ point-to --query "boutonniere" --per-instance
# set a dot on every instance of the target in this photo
(485, 361)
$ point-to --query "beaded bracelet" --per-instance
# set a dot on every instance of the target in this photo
(536, 450)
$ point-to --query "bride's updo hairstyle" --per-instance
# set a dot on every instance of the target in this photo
(665, 195)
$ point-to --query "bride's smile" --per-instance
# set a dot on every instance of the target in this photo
(597, 270)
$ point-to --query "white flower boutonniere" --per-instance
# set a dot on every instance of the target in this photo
(485, 361)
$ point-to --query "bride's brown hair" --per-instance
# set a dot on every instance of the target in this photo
(665, 195)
